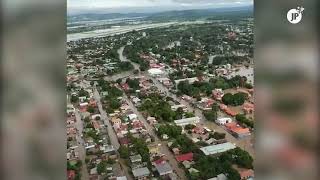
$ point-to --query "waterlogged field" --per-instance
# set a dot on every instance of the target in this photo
(114, 29)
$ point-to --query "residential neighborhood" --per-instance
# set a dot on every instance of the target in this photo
(171, 103)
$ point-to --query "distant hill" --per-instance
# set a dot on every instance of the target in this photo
(95, 17)
(167, 15)
(203, 13)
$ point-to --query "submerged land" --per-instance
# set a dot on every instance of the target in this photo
(161, 96)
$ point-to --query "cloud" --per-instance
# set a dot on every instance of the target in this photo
(153, 3)
(199, 2)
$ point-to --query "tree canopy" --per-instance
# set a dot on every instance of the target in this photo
(172, 131)
(234, 99)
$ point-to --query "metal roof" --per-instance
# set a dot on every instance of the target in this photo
(218, 148)
(163, 168)
(141, 172)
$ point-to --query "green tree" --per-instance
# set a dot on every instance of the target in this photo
(119, 81)
(179, 113)
(210, 115)
(83, 92)
(234, 100)
(217, 135)
(243, 120)
(242, 158)
(133, 83)
(124, 152)
(189, 126)
(170, 130)
(227, 99)
(91, 109)
(74, 99)
(114, 104)
(101, 167)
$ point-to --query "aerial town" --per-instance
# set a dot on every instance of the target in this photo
(173, 102)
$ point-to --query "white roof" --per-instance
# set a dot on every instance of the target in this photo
(155, 71)
(224, 119)
(186, 121)
(141, 172)
(122, 178)
(84, 104)
(219, 177)
(177, 106)
(132, 116)
(218, 148)
(190, 80)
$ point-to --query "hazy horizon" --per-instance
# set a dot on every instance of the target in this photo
(147, 6)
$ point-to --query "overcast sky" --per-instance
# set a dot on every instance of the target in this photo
(180, 4)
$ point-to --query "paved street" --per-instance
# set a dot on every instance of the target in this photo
(81, 148)
(163, 148)
(112, 135)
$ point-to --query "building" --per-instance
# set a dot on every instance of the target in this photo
(96, 125)
(70, 109)
(132, 116)
(248, 108)
(155, 72)
(187, 98)
(159, 161)
(186, 121)
(124, 141)
(246, 173)
(227, 110)
(151, 120)
(176, 107)
(217, 94)
(185, 157)
(115, 121)
(237, 130)
(153, 148)
(190, 80)
(198, 130)
(218, 148)
(95, 116)
(219, 177)
(122, 178)
(223, 121)
(71, 174)
(136, 158)
(165, 81)
(164, 168)
(141, 173)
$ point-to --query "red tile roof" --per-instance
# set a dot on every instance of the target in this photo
(230, 112)
(230, 125)
(185, 157)
(240, 130)
(125, 86)
(244, 174)
(71, 174)
(236, 129)
(124, 141)
(198, 130)
(248, 105)
(223, 106)
(159, 161)
(137, 124)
